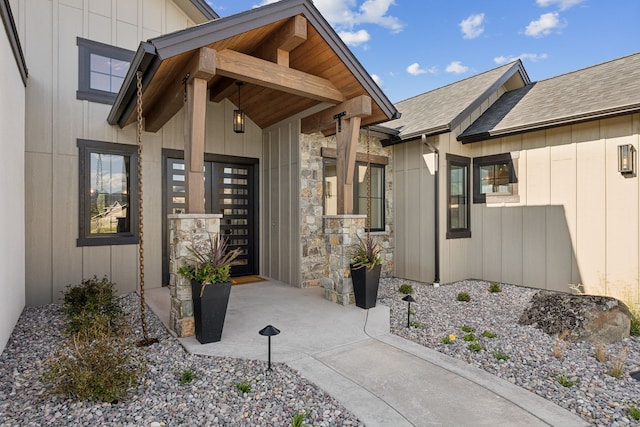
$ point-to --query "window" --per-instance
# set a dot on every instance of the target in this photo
(360, 183)
(493, 176)
(108, 193)
(102, 69)
(458, 207)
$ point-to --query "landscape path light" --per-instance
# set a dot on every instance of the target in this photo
(269, 331)
(409, 299)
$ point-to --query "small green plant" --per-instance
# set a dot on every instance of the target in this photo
(463, 296)
(475, 347)
(617, 364)
(405, 289)
(564, 381)
(466, 328)
(500, 355)
(635, 319)
(187, 376)
(416, 325)
(488, 334)
(412, 312)
(469, 337)
(298, 419)
(634, 412)
(243, 387)
(448, 340)
(495, 287)
(91, 299)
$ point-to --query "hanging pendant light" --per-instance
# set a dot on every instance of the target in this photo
(238, 114)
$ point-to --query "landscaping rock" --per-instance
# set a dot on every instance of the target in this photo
(589, 318)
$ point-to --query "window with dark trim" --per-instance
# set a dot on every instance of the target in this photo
(360, 184)
(458, 206)
(101, 70)
(494, 176)
(108, 199)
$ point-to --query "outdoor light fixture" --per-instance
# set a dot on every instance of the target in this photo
(269, 331)
(409, 299)
(238, 114)
(625, 159)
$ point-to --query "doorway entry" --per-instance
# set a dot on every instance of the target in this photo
(230, 190)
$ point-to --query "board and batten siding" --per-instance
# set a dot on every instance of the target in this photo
(12, 139)
(280, 206)
(577, 219)
(56, 119)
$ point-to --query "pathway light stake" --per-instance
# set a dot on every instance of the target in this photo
(409, 299)
(269, 331)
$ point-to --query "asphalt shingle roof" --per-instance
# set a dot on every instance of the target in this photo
(598, 91)
(437, 111)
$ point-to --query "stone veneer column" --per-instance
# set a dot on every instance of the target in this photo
(185, 231)
(341, 233)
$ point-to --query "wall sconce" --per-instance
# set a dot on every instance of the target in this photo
(626, 159)
(238, 114)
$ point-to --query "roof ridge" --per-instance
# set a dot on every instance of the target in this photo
(506, 66)
(579, 70)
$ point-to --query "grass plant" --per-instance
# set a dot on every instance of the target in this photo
(498, 355)
(495, 287)
(601, 352)
(243, 387)
(405, 289)
(617, 364)
(560, 345)
(298, 419)
(475, 347)
(564, 381)
(187, 376)
(469, 337)
(488, 334)
(634, 412)
(463, 296)
(466, 328)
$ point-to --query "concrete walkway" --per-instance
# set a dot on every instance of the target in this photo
(382, 379)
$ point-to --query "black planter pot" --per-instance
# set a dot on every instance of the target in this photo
(210, 310)
(365, 285)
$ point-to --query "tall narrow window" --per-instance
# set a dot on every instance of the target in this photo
(458, 208)
(108, 193)
(360, 183)
(102, 69)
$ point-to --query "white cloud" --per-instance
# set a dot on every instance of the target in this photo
(562, 4)
(376, 78)
(544, 25)
(354, 38)
(533, 57)
(415, 70)
(472, 26)
(456, 67)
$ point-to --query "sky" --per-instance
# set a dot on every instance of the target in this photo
(413, 46)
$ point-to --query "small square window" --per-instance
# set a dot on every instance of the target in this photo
(493, 176)
(102, 69)
(108, 193)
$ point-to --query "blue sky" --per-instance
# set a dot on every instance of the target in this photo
(414, 46)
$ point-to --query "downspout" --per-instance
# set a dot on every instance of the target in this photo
(434, 150)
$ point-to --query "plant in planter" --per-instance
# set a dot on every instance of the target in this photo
(210, 286)
(365, 267)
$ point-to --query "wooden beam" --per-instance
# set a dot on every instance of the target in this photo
(264, 73)
(290, 36)
(359, 106)
(202, 65)
(194, 127)
(223, 89)
(347, 144)
(332, 153)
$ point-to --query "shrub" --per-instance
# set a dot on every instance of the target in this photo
(488, 334)
(495, 287)
(500, 355)
(405, 289)
(466, 328)
(469, 337)
(101, 369)
(463, 296)
(91, 299)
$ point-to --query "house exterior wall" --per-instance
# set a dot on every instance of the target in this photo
(57, 119)
(12, 139)
(576, 220)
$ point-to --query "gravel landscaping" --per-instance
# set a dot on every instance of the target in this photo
(590, 391)
(210, 399)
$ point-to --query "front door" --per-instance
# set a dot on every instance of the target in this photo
(230, 190)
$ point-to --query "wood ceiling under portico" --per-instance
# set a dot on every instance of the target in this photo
(287, 67)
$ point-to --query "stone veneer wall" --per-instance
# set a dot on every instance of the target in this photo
(313, 267)
(186, 231)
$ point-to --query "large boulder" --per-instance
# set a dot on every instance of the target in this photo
(587, 317)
